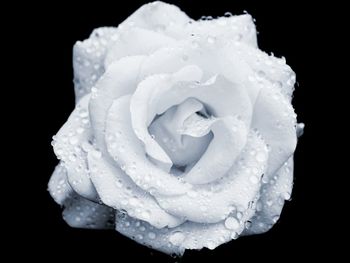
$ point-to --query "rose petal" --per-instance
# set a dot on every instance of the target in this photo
(157, 16)
(181, 148)
(211, 203)
(117, 190)
(59, 187)
(127, 151)
(69, 144)
(88, 59)
(143, 107)
(82, 213)
(136, 41)
(159, 92)
(275, 119)
(224, 58)
(230, 136)
(189, 235)
(239, 28)
(270, 68)
(119, 79)
(270, 204)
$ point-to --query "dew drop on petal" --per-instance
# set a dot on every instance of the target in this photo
(254, 179)
(211, 244)
(176, 238)
(146, 215)
(234, 235)
(260, 157)
(231, 223)
(151, 235)
(211, 40)
(97, 154)
(269, 202)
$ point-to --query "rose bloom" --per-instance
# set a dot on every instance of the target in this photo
(183, 132)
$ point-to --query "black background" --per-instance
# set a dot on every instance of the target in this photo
(286, 28)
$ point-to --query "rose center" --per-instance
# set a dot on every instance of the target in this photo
(183, 132)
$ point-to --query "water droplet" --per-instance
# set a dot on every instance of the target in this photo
(133, 201)
(139, 237)
(247, 224)
(72, 157)
(254, 179)
(260, 157)
(275, 218)
(83, 113)
(195, 44)
(258, 206)
(146, 215)
(261, 74)
(234, 235)
(286, 195)
(192, 193)
(203, 208)
(239, 215)
(96, 154)
(251, 78)
(269, 202)
(231, 223)
(78, 219)
(228, 14)
(151, 235)
(211, 244)
(80, 130)
(211, 39)
(142, 228)
(176, 238)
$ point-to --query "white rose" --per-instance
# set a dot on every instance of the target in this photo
(183, 134)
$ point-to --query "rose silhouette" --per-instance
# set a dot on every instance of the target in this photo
(183, 133)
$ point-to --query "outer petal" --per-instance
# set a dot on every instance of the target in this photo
(88, 59)
(127, 151)
(234, 28)
(157, 16)
(189, 235)
(275, 119)
(117, 190)
(59, 187)
(269, 69)
(136, 41)
(82, 213)
(121, 78)
(224, 58)
(69, 148)
(213, 202)
(273, 195)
